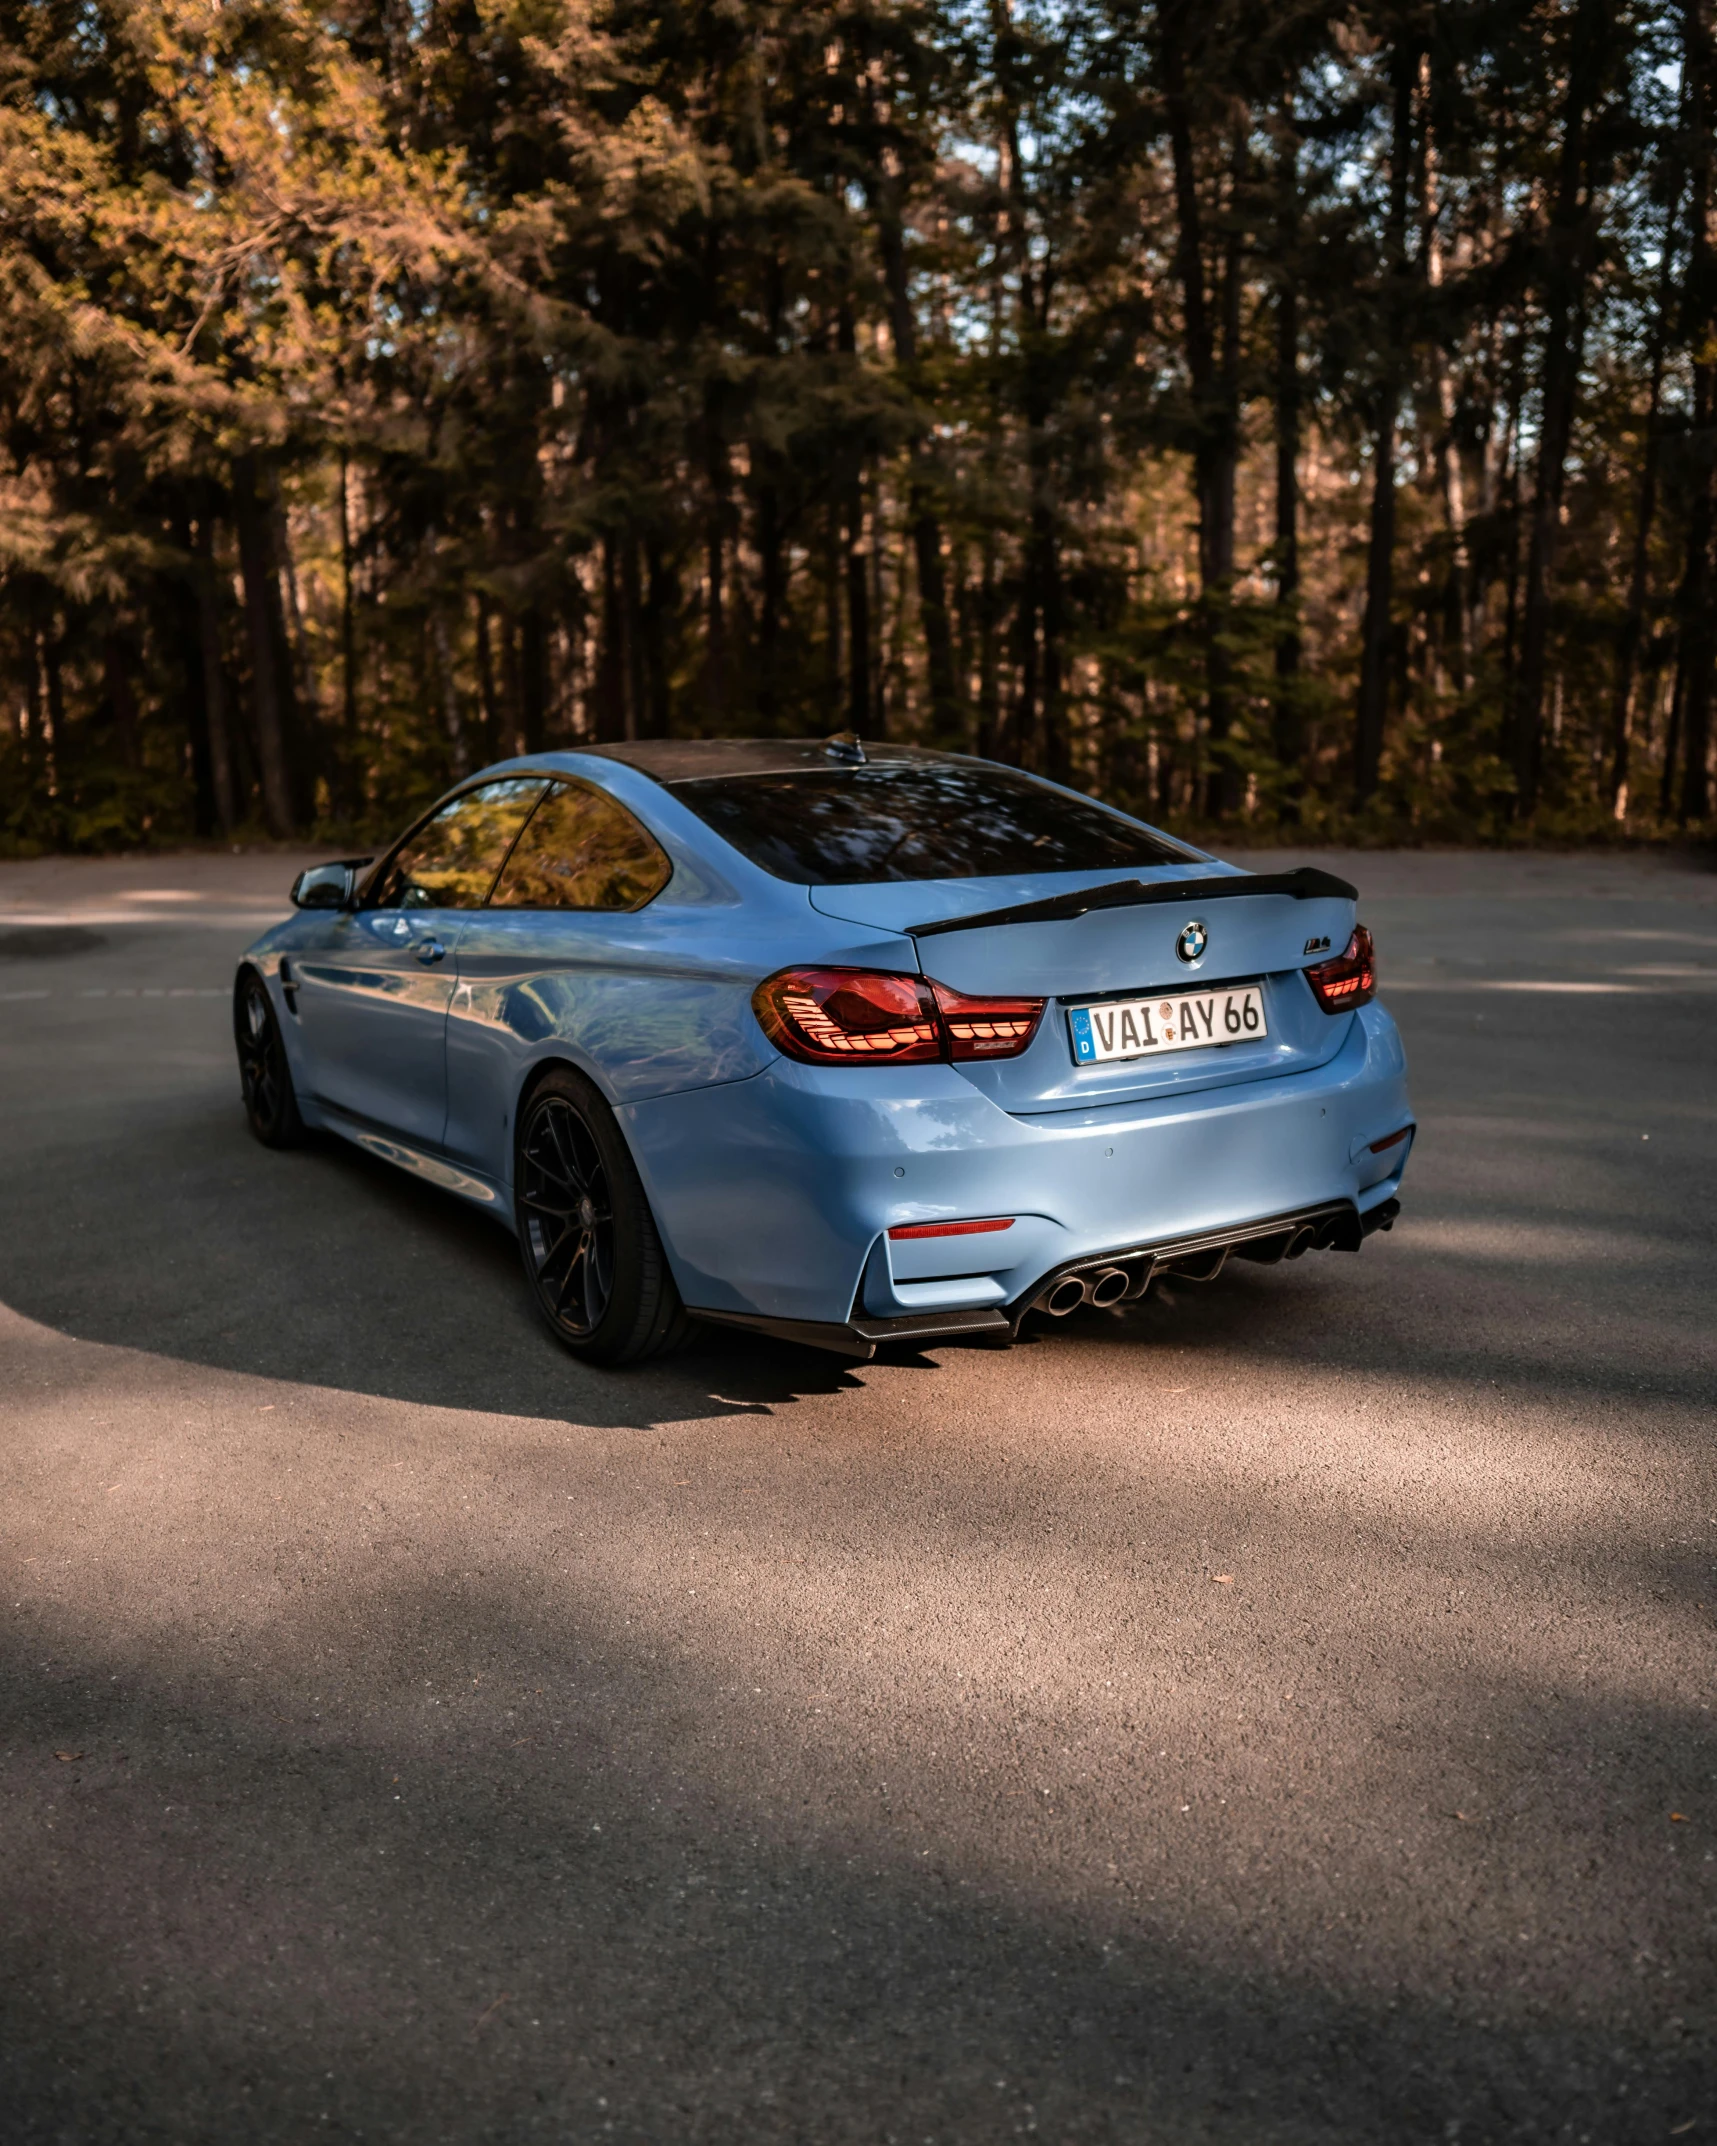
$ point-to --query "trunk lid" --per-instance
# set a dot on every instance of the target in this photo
(1259, 929)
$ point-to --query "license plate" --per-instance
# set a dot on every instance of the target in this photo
(1145, 1027)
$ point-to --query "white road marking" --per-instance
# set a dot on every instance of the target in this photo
(1567, 989)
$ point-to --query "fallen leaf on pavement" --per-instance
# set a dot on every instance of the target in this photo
(483, 2017)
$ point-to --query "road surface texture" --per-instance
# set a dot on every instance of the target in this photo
(1281, 1713)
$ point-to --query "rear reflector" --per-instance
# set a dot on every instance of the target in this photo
(951, 1229)
(1350, 979)
(1379, 1147)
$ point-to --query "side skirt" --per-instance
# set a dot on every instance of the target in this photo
(433, 1169)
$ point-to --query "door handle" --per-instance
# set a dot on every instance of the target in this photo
(430, 951)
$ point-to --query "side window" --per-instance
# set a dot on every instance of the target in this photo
(582, 850)
(451, 861)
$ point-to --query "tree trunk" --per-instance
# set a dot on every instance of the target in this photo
(1672, 741)
(858, 612)
(1451, 482)
(214, 679)
(989, 654)
(447, 684)
(1371, 711)
(1056, 758)
(348, 785)
(878, 607)
(533, 677)
(494, 746)
(1215, 399)
(1570, 245)
(832, 635)
(661, 608)
(1697, 644)
(772, 605)
(54, 702)
(631, 620)
(1289, 722)
(715, 539)
(304, 729)
(947, 716)
(118, 657)
(611, 661)
(270, 678)
(1632, 624)
(187, 636)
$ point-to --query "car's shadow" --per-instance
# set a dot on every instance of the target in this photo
(324, 1266)
(163, 1226)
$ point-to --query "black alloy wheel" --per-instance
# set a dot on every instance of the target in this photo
(592, 1256)
(264, 1075)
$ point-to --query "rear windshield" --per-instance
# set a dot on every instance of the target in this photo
(927, 820)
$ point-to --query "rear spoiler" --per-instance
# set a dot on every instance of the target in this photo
(1304, 884)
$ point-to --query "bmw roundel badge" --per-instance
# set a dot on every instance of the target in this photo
(1192, 942)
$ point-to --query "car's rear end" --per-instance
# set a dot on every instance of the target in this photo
(1102, 1058)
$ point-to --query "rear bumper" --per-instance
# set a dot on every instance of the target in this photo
(1125, 1274)
(774, 1195)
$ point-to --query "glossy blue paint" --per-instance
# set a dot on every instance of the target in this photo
(827, 1159)
(371, 1011)
(773, 1182)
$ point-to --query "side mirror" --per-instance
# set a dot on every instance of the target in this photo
(328, 886)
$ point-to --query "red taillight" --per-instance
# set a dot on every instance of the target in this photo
(952, 1229)
(866, 1016)
(1350, 979)
(987, 1027)
(849, 1017)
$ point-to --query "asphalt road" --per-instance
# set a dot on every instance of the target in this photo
(1281, 1713)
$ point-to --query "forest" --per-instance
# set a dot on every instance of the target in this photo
(1285, 419)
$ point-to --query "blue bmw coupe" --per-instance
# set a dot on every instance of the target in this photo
(843, 1042)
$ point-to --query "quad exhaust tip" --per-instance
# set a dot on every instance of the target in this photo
(1336, 1228)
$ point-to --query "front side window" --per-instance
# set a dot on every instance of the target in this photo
(451, 861)
(582, 850)
(952, 819)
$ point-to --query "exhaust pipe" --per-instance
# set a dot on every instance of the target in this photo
(1110, 1286)
(1067, 1295)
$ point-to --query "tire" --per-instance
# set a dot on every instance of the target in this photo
(593, 1260)
(264, 1075)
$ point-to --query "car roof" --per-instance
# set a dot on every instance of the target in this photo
(672, 760)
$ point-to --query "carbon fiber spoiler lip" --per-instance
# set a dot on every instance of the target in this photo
(1306, 883)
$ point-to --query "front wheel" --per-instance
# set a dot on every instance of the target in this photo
(593, 1260)
(264, 1075)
